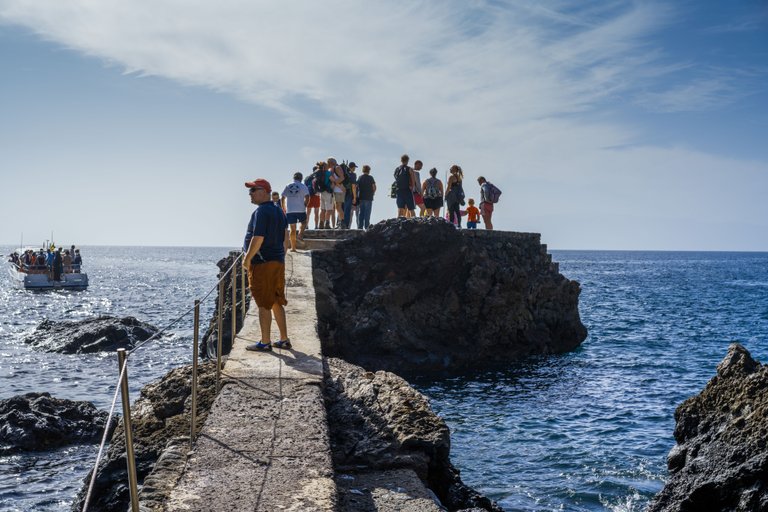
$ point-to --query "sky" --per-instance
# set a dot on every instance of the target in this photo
(625, 125)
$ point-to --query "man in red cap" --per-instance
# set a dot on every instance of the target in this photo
(264, 249)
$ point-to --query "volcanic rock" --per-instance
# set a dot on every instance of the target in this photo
(37, 421)
(720, 462)
(378, 423)
(210, 338)
(103, 333)
(419, 295)
(161, 421)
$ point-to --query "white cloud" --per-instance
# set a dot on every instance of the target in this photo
(416, 73)
(515, 88)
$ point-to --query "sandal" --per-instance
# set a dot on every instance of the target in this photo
(286, 344)
(259, 347)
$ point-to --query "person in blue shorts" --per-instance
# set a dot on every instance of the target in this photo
(294, 201)
(404, 182)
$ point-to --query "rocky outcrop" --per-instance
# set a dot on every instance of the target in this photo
(379, 423)
(720, 462)
(418, 294)
(37, 421)
(210, 338)
(103, 333)
(160, 419)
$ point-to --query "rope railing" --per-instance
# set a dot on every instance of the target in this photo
(121, 388)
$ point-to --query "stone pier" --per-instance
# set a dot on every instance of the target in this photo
(264, 446)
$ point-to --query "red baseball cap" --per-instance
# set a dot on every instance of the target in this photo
(259, 183)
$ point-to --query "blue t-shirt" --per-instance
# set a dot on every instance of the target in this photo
(268, 221)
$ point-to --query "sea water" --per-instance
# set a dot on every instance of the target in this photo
(590, 430)
(583, 431)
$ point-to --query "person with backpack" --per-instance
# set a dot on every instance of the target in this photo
(432, 191)
(489, 195)
(314, 197)
(454, 195)
(404, 188)
(322, 183)
(350, 193)
(337, 182)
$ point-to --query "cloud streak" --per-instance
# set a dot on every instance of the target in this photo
(522, 88)
(389, 68)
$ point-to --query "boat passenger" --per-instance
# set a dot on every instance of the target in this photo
(57, 265)
(67, 262)
(49, 263)
(77, 261)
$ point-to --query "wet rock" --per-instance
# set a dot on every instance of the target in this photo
(419, 295)
(103, 333)
(210, 337)
(37, 421)
(161, 421)
(378, 422)
(720, 462)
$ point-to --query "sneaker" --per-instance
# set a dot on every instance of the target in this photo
(259, 347)
(285, 344)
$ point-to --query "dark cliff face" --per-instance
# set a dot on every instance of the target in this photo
(420, 295)
(378, 423)
(160, 419)
(720, 462)
(210, 337)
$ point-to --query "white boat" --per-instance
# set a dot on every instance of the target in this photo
(36, 277)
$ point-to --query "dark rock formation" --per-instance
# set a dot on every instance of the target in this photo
(103, 333)
(420, 295)
(160, 420)
(378, 422)
(720, 462)
(210, 338)
(37, 421)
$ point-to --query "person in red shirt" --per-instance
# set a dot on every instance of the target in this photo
(473, 215)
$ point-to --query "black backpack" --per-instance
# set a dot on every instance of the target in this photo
(319, 183)
(403, 177)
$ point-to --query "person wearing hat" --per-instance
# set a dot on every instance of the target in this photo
(264, 259)
(350, 199)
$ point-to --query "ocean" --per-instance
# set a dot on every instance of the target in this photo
(583, 431)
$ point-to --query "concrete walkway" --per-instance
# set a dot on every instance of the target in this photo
(264, 446)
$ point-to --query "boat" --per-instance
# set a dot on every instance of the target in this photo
(40, 277)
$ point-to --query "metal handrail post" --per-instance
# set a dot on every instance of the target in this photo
(233, 309)
(242, 288)
(129, 454)
(193, 420)
(218, 329)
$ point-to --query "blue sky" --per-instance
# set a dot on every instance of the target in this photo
(611, 125)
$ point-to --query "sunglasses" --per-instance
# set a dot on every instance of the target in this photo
(254, 189)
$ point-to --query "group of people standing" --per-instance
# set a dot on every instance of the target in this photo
(333, 194)
(53, 261)
(431, 195)
(337, 192)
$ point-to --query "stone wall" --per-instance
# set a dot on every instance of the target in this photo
(419, 295)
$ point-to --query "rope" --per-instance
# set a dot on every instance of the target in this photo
(122, 374)
(104, 438)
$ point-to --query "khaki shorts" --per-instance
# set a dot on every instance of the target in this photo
(339, 197)
(326, 201)
(267, 283)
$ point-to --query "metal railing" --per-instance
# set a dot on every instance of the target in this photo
(122, 383)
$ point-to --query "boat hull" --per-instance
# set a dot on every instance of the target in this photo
(42, 282)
